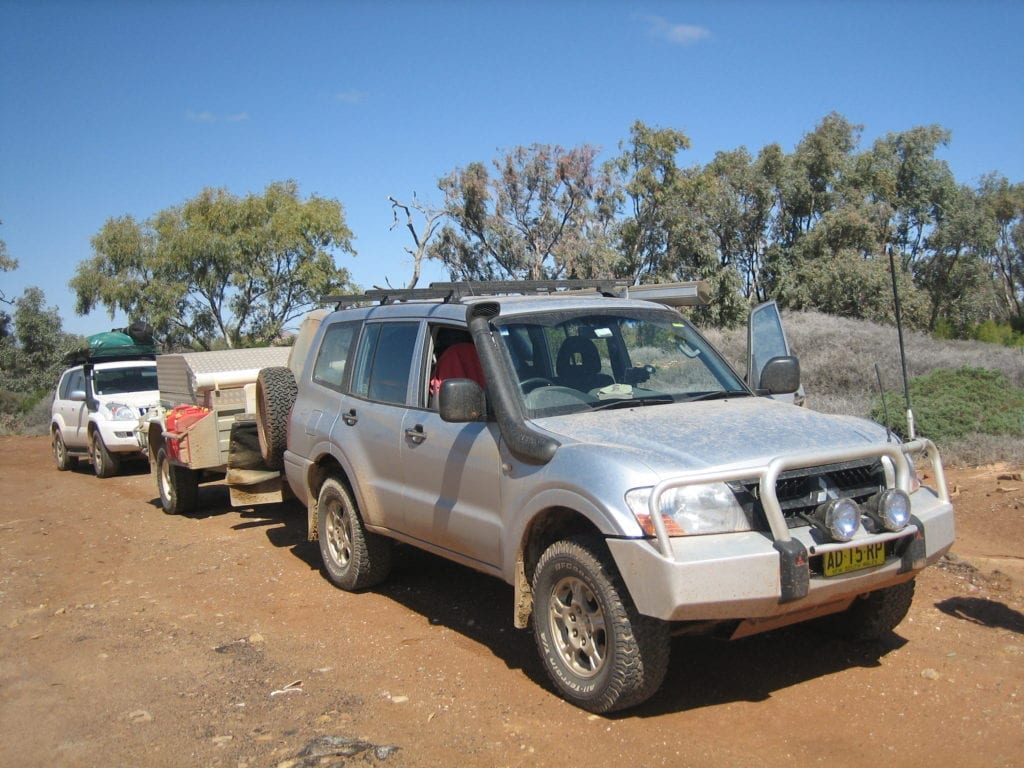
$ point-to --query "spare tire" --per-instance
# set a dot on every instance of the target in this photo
(275, 395)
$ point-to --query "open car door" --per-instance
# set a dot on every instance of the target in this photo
(768, 348)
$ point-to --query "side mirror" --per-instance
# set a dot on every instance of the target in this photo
(461, 400)
(780, 376)
(77, 395)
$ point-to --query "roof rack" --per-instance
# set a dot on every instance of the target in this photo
(454, 292)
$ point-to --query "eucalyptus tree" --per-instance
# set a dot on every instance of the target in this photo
(907, 178)
(1003, 206)
(541, 212)
(648, 177)
(219, 269)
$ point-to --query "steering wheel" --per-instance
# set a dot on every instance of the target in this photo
(535, 382)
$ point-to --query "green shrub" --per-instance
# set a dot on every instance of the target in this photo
(997, 333)
(951, 404)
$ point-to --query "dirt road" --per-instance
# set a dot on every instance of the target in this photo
(131, 638)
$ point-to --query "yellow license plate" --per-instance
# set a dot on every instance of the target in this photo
(853, 559)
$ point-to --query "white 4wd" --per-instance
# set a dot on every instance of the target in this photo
(96, 409)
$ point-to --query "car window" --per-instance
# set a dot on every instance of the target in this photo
(383, 361)
(332, 358)
(76, 380)
(65, 385)
(119, 381)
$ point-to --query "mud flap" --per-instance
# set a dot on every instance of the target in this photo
(249, 480)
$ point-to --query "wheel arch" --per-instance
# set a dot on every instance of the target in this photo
(327, 466)
(547, 526)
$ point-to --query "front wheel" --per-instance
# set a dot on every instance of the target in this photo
(873, 615)
(65, 460)
(104, 463)
(178, 486)
(600, 653)
(353, 557)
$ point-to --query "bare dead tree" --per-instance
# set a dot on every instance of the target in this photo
(431, 221)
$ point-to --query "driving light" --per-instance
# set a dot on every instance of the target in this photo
(839, 518)
(890, 509)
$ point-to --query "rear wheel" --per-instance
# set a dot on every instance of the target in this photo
(600, 653)
(65, 461)
(178, 486)
(104, 463)
(353, 557)
(873, 615)
(275, 395)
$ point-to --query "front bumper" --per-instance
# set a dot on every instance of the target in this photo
(760, 575)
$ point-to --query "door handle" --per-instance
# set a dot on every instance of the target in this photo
(416, 434)
(350, 418)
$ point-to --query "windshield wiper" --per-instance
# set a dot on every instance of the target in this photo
(629, 402)
(717, 395)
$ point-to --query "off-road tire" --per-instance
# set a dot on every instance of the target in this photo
(104, 463)
(178, 486)
(599, 652)
(65, 460)
(353, 557)
(873, 615)
(276, 390)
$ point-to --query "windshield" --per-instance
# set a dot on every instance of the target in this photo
(574, 361)
(118, 381)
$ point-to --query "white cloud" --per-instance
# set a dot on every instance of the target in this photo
(677, 34)
(200, 117)
(213, 117)
(350, 96)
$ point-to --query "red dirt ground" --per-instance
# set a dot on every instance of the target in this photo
(128, 637)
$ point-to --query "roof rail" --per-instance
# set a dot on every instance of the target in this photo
(673, 294)
(453, 292)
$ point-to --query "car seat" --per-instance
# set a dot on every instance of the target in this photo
(579, 365)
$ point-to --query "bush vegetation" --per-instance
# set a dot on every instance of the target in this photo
(838, 357)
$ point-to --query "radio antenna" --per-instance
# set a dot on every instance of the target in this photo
(903, 352)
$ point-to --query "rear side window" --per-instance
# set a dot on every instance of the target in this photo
(384, 360)
(332, 359)
(72, 380)
(64, 386)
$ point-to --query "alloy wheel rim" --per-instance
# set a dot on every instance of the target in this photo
(578, 627)
(339, 536)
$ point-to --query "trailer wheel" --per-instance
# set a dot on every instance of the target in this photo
(276, 390)
(178, 486)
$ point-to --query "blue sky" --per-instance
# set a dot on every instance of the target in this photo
(114, 108)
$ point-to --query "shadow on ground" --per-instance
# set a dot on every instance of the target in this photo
(984, 612)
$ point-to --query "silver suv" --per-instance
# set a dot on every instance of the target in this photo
(597, 453)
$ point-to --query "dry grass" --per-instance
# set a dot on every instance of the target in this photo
(838, 358)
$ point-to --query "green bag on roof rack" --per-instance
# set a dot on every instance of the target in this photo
(134, 342)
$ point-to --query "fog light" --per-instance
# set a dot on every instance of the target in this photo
(839, 518)
(890, 509)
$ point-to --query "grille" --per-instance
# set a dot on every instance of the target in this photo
(800, 491)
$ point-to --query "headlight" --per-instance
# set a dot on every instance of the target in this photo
(120, 412)
(890, 509)
(690, 509)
